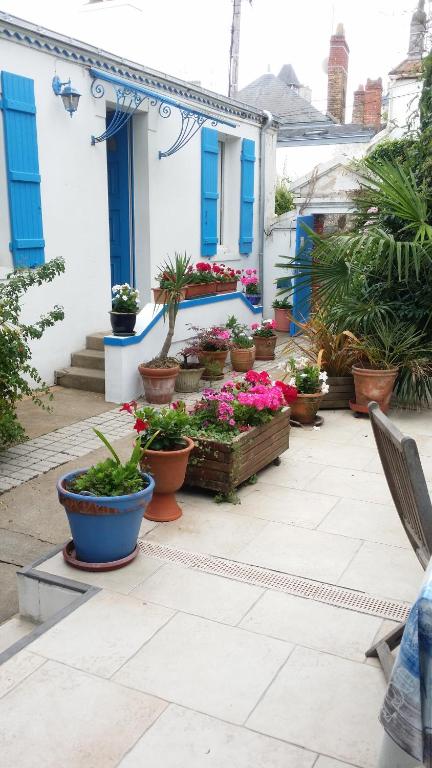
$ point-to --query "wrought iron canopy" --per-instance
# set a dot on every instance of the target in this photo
(130, 96)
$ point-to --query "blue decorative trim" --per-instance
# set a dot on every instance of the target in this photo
(127, 341)
(50, 46)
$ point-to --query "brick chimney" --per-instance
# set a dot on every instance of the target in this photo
(337, 69)
(372, 103)
(358, 112)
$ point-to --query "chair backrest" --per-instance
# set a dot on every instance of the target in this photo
(404, 474)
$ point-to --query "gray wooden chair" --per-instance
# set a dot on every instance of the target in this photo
(404, 474)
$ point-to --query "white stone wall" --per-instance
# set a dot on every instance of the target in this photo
(75, 204)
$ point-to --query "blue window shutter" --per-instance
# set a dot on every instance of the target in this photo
(22, 166)
(209, 191)
(247, 195)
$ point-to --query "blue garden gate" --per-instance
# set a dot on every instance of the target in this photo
(302, 292)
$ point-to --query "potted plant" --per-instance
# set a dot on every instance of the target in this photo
(282, 318)
(104, 505)
(379, 357)
(250, 282)
(124, 309)
(190, 374)
(237, 431)
(159, 374)
(201, 281)
(226, 278)
(211, 346)
(242, 350)
(311, 385)
(160, 295)
(167, 458)
(264, 339)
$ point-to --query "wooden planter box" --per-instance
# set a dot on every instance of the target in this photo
(222, 467)
(195, 290)
(341, 392)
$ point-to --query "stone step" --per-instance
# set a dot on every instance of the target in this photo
(76, 377)
(14, 629)
(89, 358)
(95, 340)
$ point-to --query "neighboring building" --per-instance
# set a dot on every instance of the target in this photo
(190, 171)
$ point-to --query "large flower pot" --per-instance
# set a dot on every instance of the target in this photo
(188, 379)
(216, 359)
(242, 360)
(122, 323)
(282, 320)
(226, 286)
(253, 298)
(168, 469)
(373, 385)
(160, 295)
(158, 383)
(194, 290)
(304, 408)
(265, 347)
(104, 528)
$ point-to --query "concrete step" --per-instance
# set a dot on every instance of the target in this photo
(76, 377)
(95, 340)
(14, 629)
(89, 358)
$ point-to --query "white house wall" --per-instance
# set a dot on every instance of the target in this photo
(75, 200)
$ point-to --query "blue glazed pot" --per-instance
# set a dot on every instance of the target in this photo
(254, 299)
(104, 528)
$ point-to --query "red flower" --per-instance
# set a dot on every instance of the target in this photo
(140, 425)
(252, 377)
(290, 393)
(126, 407)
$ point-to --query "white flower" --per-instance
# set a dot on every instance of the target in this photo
(292, 382)
(324, 388)
(316, 429)
(323, 376)
(116, 288)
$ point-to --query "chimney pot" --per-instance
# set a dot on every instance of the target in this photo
(372, 102)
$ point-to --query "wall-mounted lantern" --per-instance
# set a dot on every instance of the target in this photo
(70, 96)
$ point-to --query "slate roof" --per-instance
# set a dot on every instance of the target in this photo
(282, 100)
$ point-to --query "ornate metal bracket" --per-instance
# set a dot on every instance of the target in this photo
(129, 98)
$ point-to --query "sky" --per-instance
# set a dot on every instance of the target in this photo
(190, 38)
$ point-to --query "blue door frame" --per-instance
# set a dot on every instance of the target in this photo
(120, 204)
(302, 293)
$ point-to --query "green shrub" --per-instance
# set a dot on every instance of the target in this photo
(284, 199)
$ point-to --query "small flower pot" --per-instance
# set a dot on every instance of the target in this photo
(195, 290)
(160, 295)
(158, 383)
(242, 360)
(265, 347)
(216, 359)
(374, 385)
(282, 320)
(104, 528)
(123, 323)
(253, 298)
(305, 407)
(188, 379)
(226, 287)
(168, 469)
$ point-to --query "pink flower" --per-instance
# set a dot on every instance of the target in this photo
(254, 326)
(231, 423)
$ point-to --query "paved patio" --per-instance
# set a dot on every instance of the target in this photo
(183, 660)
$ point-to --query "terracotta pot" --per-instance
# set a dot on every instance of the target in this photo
(226, 287)
(160, 295)
(305, 407)
(242, 360)
(195, 290)
(188, 379)
(374, 385)
(282, 319)
(168, 469)
(265, 347)
(217, 358)
(158, 383)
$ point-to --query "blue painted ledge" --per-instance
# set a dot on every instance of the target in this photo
(126, 341)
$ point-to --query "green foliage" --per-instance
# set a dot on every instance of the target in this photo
(305, 375)
(240, 334)
(173, 278)
(111, 477)
(391, 344)
(284, 198)
(166, 427)
(16, 370)
(395, 151)
(125, 299)
(284, 303)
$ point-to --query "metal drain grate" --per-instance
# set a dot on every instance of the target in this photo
(283, 582)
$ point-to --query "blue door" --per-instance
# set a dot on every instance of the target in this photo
(302, 293)
(119, 204)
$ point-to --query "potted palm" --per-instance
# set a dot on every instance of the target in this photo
(166, 460)
(124, 309)
(264, 339)
(104, 505)
(190, 374)
(281, 309)
(311, 385)
(159, 374)
(242, 350)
